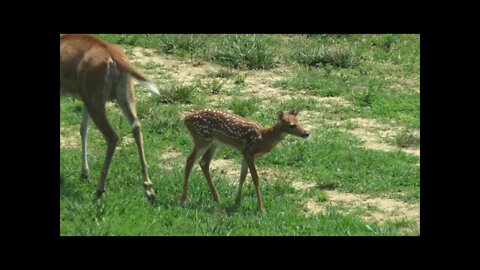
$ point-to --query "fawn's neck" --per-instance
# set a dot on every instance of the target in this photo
(270, 137)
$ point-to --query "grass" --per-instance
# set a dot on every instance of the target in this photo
(245, 107)
(243, 51)
(320, 56)
(178, 92)
(225, 73)
(380, 83)
(240, 79)
(406, 138)
(180, 44)
(313, 82)
(214, 86)
(373, 97)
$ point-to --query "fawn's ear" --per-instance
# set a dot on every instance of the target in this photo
(281, 116)
(294, 112)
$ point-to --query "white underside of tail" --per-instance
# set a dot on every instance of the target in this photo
(152, 87)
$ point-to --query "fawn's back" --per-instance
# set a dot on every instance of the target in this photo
(221, 127)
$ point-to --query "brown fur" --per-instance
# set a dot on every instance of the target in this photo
(95, 72)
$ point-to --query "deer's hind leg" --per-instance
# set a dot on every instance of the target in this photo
(97, 112)
(201, 146)
(205, 165)
(126, 100)
(84, 135)
(92, 84)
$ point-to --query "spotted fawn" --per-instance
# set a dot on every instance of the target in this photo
(212, 128)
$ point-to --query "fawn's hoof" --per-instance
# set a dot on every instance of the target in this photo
(84, 176)
(150, 196)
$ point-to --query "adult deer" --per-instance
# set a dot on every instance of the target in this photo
(95, 72)
(211, 128)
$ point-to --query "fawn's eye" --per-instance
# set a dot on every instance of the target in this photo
(292, 126)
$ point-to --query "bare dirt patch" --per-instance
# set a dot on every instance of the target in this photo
(302, 185)
(310, 119)
(170, 155)
(259, 84)
(374, 135)
(384, 209)
(314, 207)
(393, 75)
(219, 99)
(268, 174)
(228, 168)
(392, 210)
(260, 88)
(266, 76)
(126, 141)
(181, 71)
(70, 138)
(325, 101)
(389, 209)
(169, 159)
(69, 142)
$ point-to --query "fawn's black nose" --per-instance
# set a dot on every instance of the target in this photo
(306, 134)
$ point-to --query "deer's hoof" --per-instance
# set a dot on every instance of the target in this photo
(99, 193)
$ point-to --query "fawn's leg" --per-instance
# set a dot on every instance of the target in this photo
(250, 159)
(243, 176)
(205, 165)
(196, 153)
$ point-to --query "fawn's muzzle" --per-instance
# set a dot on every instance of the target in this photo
(306, 134)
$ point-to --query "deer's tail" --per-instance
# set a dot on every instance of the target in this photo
(125, 65)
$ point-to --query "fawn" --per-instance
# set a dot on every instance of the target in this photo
(95, 72)
(212, 128)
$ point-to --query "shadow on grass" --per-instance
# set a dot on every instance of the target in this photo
(232, 208)
(326, 186)
(68, 190)
(223, 207)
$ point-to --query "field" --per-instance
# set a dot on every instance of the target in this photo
(358, 174)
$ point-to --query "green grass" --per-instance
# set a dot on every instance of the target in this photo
(178, 92)
(225, 73)
(313, 82)
(245, 107)
(406, 138)
(373, 97)
(403, 108)
(320, 56)
(380, 85)
(214, 86)
(181, 44)
(258, 50)
(243, 51)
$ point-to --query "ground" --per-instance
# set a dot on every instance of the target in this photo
(357, 174)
